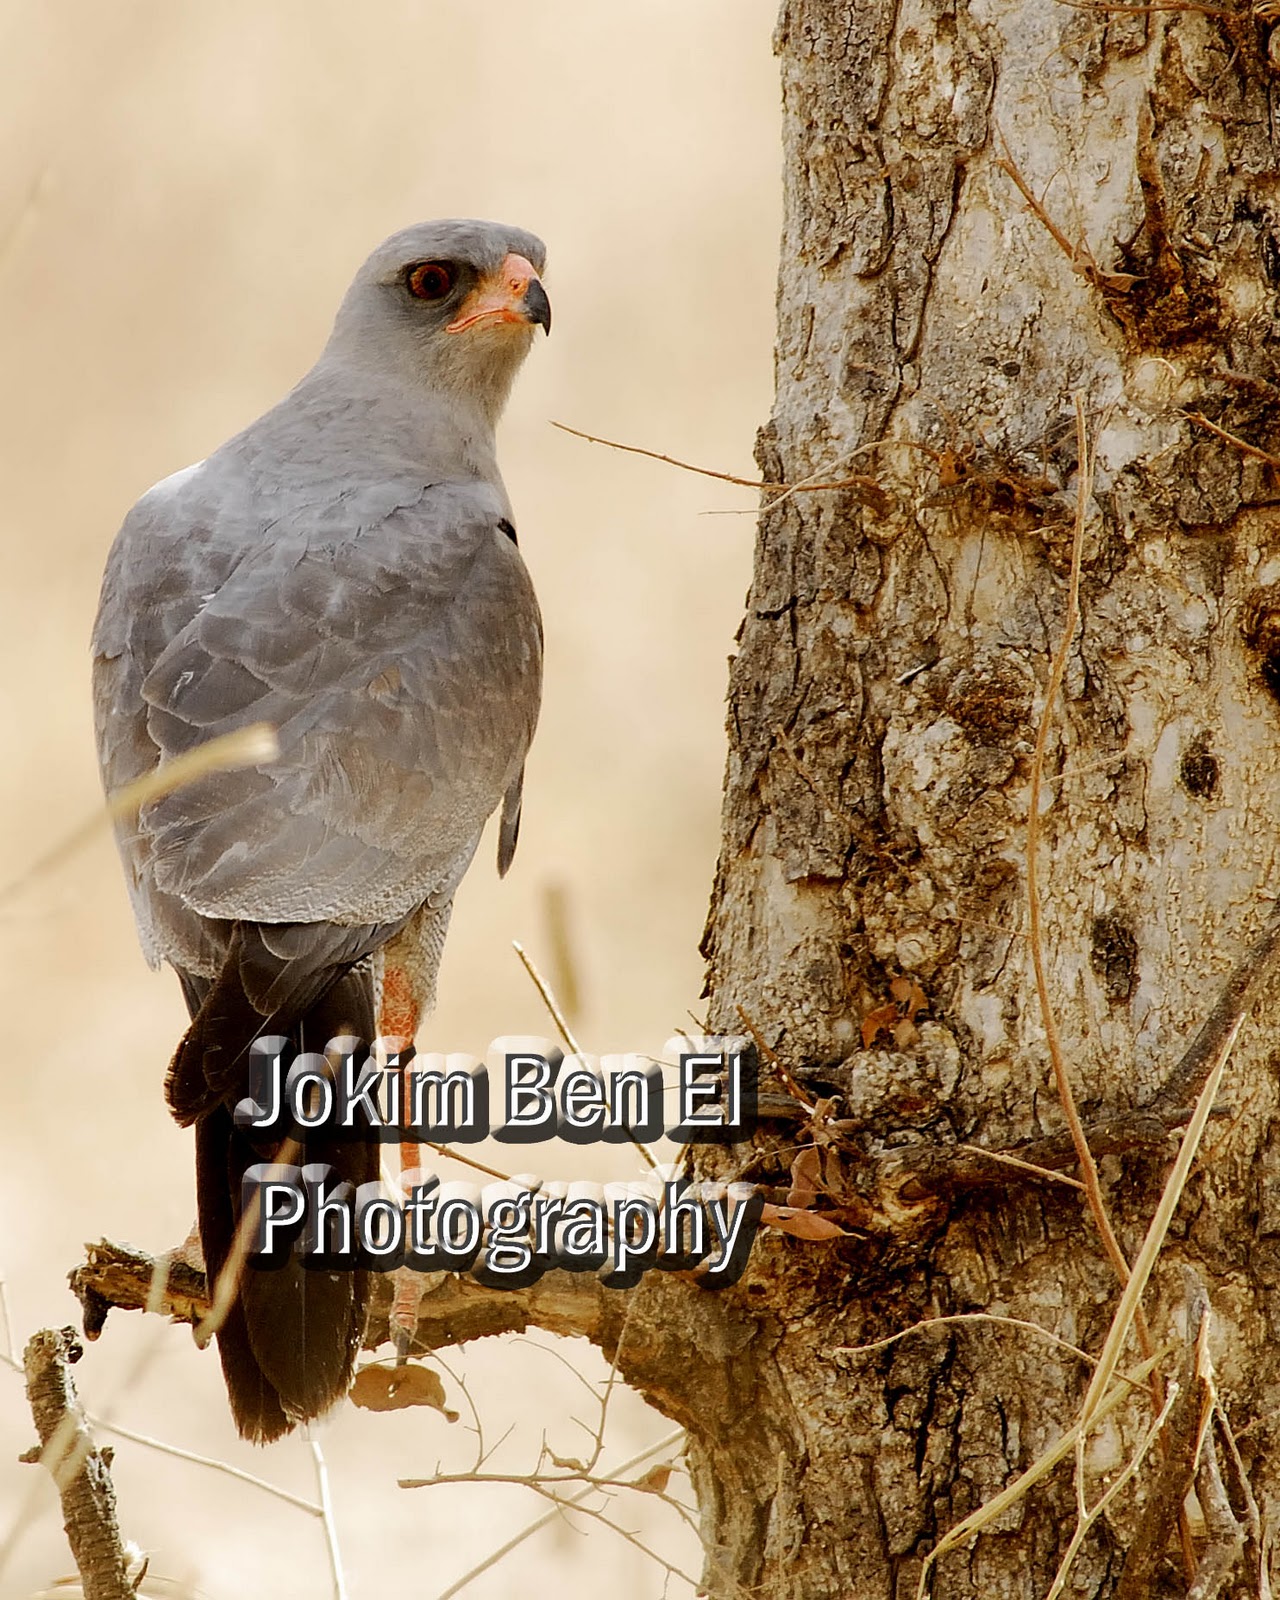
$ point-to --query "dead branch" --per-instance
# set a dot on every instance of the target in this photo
(902, 1183)
(79, 1469)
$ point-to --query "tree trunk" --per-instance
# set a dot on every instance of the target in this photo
(884, 707)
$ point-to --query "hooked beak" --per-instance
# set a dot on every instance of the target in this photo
(513, 294)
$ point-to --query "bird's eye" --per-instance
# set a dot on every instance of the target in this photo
(430, 280)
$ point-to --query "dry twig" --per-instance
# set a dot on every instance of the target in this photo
(326, 1514)
(961, 1317)
(80, 1470)
(1079, 255)
(556, 1511)
(1240, 444)
(805, 486)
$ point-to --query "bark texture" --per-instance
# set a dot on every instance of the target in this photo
(884, 702)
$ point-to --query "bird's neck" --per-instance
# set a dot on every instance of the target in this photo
(450, 435)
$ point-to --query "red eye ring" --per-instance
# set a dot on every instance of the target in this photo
(430, 280)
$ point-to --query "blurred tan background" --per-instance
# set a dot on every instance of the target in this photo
(185, 193)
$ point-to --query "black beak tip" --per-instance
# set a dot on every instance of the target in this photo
(537, 306)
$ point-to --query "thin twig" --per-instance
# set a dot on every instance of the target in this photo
(610, 1382)
(1019, 1165)
(454, 1154)
(776, 1062)
(1240, 444)
(584, 1510)
(1079, 255)
(805, 486)
(6, 1321)
(554, 1514)
(1149, 10)
(963, 1316)
(547, 997)
(1057, 671)
(165, 1448)
(326, 1512)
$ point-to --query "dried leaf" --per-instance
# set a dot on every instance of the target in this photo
(953, 468)
(806, 1177)
(905, 1034)
(911, 998)
(882, 1018)
(657, 1478)
(801, 1224)
(378, 1388)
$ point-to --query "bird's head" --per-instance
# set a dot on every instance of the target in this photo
(450, 305)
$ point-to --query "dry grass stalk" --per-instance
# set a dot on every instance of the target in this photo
(1126, 1311)
(1089, 1515)
(1066, 1095)
(562, 1025)
(247, 747)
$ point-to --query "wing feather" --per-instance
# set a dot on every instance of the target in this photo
(400, 663)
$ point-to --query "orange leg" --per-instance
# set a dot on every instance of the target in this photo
(398, 1023)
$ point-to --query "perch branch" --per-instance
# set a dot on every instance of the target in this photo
(455, 1309)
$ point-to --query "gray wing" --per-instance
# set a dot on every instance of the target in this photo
(399, 660)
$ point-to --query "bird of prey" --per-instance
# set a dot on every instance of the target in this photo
(345, 570)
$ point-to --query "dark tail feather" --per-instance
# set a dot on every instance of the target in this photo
(290, 1342)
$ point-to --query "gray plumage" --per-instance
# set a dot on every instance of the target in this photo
(346, 570)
